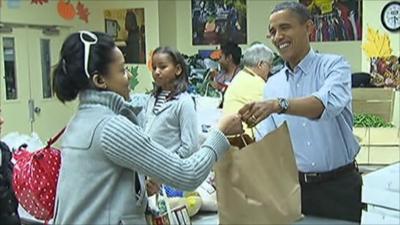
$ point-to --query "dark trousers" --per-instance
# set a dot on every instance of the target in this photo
(338, 198)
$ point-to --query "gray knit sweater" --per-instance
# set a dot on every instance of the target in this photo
(102, 149)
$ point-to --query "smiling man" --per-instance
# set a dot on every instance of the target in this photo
(312, 93)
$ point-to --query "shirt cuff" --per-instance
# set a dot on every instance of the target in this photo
(217, 142)
(324, 100)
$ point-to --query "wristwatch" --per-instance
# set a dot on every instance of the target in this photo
(284, 104)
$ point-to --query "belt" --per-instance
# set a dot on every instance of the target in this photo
(326, 176)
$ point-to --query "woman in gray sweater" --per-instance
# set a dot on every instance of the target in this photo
(105, 153)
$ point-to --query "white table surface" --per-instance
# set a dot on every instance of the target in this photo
(212, 218)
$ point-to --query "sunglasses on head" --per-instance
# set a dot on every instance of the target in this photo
(88, 39)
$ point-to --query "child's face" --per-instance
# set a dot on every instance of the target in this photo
(165, 71)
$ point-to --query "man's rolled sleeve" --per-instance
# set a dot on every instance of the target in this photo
(335, 93)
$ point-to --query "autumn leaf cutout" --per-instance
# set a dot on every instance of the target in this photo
(83, 12)
(377, 45)
(41, 2)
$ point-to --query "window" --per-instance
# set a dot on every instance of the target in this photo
(46, 70)
(10, 77)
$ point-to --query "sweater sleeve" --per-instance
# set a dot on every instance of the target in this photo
(127, 145)
(189, 130)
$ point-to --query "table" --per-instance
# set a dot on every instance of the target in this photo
(212, 218)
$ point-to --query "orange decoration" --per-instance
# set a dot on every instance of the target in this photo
(215, 55)
(66, 10)
(150, 61)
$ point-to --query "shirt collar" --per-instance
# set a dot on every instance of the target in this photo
(304, 65)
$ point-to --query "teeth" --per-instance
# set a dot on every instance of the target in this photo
(283, 45)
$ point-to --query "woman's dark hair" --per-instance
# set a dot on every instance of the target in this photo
(231, 48)
(69, 76)
(181, 82)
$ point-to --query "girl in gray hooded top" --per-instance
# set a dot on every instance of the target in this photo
(105, 153)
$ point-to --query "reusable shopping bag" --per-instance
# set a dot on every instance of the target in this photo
(35, 178)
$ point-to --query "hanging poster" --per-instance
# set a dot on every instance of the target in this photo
(218, 21)
(127, 26)
(335, 20)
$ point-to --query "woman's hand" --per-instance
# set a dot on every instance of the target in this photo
(231, 124)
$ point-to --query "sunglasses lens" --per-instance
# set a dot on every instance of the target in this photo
(88, 37)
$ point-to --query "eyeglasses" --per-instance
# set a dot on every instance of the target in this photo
(87, 44)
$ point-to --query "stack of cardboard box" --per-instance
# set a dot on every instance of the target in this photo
(381, 193)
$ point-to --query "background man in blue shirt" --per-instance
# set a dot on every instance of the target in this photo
(312, 93)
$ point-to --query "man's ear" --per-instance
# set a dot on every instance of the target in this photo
(309, 26)
(178, 70)
(99, 81)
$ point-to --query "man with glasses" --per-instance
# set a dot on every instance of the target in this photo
(257, 64)
(312, 93)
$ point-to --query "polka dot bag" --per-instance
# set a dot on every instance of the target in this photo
(35, 179)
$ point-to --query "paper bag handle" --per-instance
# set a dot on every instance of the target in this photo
(252, 134)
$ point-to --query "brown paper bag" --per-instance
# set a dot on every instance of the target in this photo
(258, 184)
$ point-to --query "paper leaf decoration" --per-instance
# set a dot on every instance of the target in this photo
(377, 45)
(134, 80)
(83, 12)
(41, 2)
(150, 61)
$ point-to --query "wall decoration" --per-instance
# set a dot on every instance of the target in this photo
(218, 21)
(384, 66)
(39, 2)
(83, 12)
(390, 16)
(335, 20)
(134, 81)
(127, 26)
(68, 11)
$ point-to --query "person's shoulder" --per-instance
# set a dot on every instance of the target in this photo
(329, 59)
(185, 98)
(139, 99)
(278, 76)
(239, 77)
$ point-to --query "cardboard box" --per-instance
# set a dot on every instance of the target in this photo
(382, 187)
(377, 101)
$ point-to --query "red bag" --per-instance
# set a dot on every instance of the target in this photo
(35, 179)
